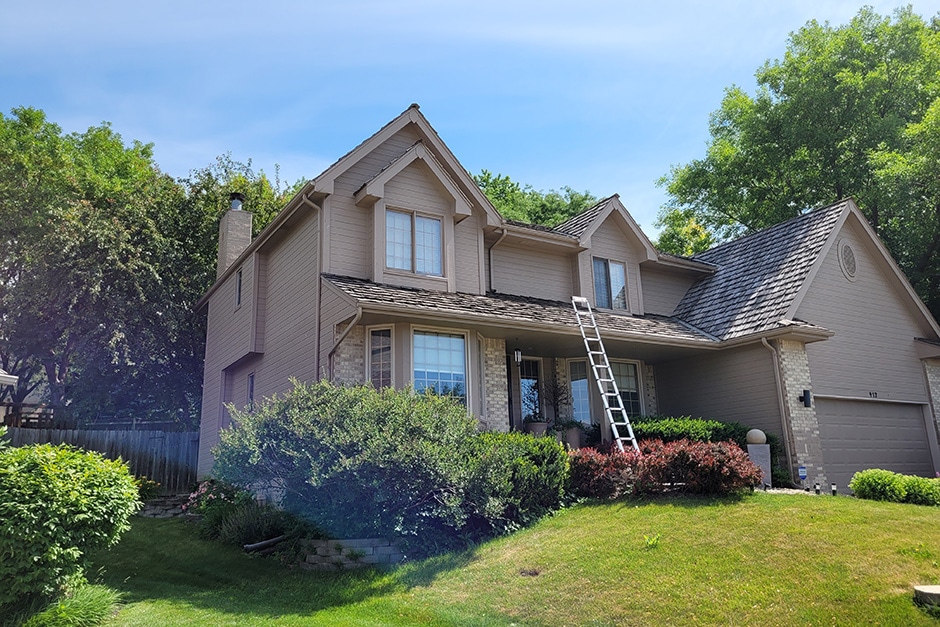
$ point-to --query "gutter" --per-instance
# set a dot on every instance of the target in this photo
(490, 253)
(784, 420)
(342, 336)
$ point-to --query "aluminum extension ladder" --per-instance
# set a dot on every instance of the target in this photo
(617, 417)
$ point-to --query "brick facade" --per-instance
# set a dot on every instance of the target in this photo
(932, 368)
(649, 387)
(349, 360)
(794, 370)
(495, 385)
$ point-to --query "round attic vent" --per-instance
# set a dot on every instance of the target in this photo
(847, 260)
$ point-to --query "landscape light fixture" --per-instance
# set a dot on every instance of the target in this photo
(834, 491)
(806, 398)
(517, 356)
(816, 487)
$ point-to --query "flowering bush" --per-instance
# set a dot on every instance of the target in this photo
(215, 501)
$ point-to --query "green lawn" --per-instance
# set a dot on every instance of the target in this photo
(763, 560)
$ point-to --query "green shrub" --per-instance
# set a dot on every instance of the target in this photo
(57, 503)
(921, 490)
(87, 606)
(670, 429)
(253, 522)
(359, 462)
(878, 485)
(356, 461)
(214, 501)
(516, 479)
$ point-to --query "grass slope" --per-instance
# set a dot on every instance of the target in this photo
(763, 560)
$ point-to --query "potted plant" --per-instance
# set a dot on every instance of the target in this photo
(535, 423)
(569, 432)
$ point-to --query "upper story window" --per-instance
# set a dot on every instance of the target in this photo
(413, 243)
(610, 284)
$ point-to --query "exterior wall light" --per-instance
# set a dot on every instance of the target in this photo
(806, 398)
(517, 357)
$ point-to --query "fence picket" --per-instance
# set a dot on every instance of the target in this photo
(168, 457)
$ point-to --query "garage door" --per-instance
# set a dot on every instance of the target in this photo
(859, 434)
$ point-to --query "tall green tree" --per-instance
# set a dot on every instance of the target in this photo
(526, 204)
(104, 258)
(846, 112)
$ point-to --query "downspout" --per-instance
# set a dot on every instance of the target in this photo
(319, 209)
(490, 253)
(342, 336)
(784, 419)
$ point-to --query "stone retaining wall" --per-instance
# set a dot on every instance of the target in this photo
(349, 554)
(164, 507)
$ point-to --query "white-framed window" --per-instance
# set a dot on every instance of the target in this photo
(580, 391)
(530, 390)
(610, 284)
(439, 363)
(627, 376)
(413, 242)
(251, 392)
(380, 357)
(238, 288)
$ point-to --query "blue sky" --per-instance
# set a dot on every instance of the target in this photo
(603, 96)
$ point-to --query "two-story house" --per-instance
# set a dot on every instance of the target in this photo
(391, 267)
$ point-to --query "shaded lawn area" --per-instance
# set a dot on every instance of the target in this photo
(762, 560)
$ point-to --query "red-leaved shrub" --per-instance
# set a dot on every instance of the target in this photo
(712, 468)
(602, 475)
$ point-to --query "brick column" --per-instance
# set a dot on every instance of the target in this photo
(649, 386)
(794, 370)
(496, 411)
(932, 368)
(349, 360)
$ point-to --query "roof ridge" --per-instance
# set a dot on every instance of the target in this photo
(774, 227)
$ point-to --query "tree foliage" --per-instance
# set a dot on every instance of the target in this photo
(104, 258)
(526, 204)
(849, 111)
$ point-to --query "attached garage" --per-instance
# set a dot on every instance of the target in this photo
(860, 434)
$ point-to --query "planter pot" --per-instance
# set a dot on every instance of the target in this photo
(573, 437)
(536, 428)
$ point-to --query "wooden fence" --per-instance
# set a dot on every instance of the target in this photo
(168, 457)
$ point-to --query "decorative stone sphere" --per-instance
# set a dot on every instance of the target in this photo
(756, 436)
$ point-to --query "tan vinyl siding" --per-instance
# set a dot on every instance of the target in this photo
(528, 271)
(662, 289)
(351, 229)
(291, 310)
(334, 310)
(610, 242)
(733, 385)
(467, 247)
(873, 349)
(260, 301)
(416, 188)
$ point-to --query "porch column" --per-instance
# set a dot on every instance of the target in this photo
(804, 426)
(496, 409)
(932, 368)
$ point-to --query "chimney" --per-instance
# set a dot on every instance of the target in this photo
(234, 233)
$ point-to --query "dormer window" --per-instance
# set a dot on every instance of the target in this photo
(610, 284)
(413, 243)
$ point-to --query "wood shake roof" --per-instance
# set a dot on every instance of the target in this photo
(758, 276)
(507, 309)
